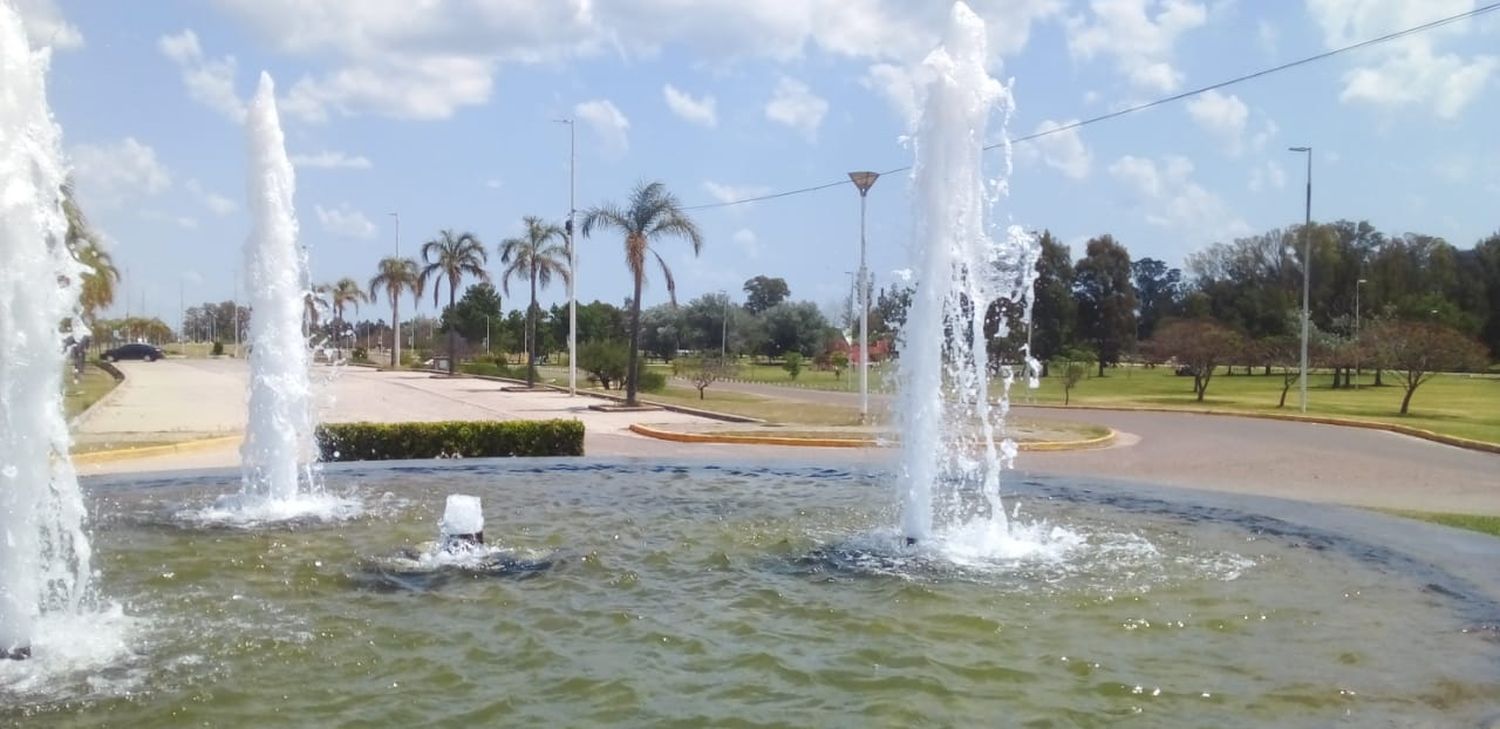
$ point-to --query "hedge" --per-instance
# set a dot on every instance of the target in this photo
(449, 439)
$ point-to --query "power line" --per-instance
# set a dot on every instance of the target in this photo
(1147, 105)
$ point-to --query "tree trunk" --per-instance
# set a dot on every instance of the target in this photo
(1101, 366)
(531, 324)
(1378, 383)
(395, 329)
(1286, 386)
(452, 343)
(1406, 400)
(635, 341)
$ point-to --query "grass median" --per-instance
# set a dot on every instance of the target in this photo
(85, 389)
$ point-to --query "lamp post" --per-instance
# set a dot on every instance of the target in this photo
(863, 181)
(1357, 343)
(396, 325)
(486, 333)
(1306, 269)
(724, 331)
(572, 261)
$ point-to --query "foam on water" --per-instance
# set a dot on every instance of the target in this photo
(954, 445)
(45, 557)
(280, 473)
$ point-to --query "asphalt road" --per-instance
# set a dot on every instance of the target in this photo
(1300, 461)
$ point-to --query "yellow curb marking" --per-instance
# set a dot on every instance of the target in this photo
(680, 437)
(122, 454)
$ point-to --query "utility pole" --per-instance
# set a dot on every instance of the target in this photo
(572, 260)
(863, 181)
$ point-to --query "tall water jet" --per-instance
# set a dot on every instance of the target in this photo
(44, 552)
(279, 454)
(952, 436)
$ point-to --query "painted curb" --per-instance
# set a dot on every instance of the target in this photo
(680, 437)
(1424, 434)
(125, 454)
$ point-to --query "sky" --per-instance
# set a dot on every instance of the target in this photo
(444, 112)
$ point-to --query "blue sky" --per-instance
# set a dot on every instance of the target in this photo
(443, 111)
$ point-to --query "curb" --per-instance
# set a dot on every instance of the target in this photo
(112, 395)
(679, 437)
(125, 454)
(1424, 434)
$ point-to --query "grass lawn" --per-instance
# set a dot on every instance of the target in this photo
(1473, 522)
(1460, 405)
(754, 406)
(84, 390)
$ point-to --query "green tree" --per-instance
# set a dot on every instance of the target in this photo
(452, 256)
(100, 275)
(1072, 367)
(792, 363)
(604, 360)
(794, 327)
(1198, 345)
(1106, 299)
(764, 292)
(478, 313)
(537, 258)
(342, 294)
(1418, 351)
(652, 213)
(395, 276)
(1158, 290)
(1054, 311)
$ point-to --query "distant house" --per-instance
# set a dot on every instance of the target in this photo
(880, 349)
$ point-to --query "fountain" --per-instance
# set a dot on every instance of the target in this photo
(644, 592)
(953, 436)
(44, 552)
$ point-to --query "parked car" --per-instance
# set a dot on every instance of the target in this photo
(133, 351)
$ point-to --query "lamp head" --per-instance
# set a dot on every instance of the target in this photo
(864, 180)
(1299, 149)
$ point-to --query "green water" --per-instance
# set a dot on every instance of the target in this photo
(706, 597)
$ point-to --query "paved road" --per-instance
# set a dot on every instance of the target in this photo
(1294, 460)
(1304, 461)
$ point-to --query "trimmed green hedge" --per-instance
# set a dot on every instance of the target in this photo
(449, 439)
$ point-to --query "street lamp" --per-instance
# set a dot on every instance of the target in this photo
(724, 331)
(1306, 269)
(396, 325)
(572, 262)
(486, 333)
(863, 181)
(1357, 344)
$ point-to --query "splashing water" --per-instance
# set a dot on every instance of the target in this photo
(953, 437)
(279, 464)
(44, 552)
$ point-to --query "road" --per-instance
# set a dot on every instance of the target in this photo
(1302, 461)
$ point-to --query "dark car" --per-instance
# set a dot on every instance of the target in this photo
(134, 351)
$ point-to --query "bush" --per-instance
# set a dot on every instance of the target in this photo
(650, 381)
(450, 439)
(792, 363)
(605, 361)
(218, 350)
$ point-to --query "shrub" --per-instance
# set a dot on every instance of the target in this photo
(450, 439)
(360, 354)
(792, 363)
(650, 381)
(218, 350)
(605, 361)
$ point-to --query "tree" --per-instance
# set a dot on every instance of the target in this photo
(793, 327)
(763, 292)
(477, 313)
(1418, 351)
(1106, 299)
(452, 257)
(395, 276)
(1072, 366)
(342, 294)
(604, 360)
(1158, 291)
(536, 258)
(792, 363)
(706, 322)
(839, 361)
(707, 370)
(652, 214)
(1054, 309)
(100, 274)
(1284, 352)
(1199, 346)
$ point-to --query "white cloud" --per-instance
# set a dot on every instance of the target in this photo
(1409, 71)
(1062, 151)
(796, 106)
(109, 175)
(181, 221)
(403, 60)
(729, 193)
(331, 160)
(745, 238)
(46, 27)
(898, 84)
(1139, 40)
(1267, 175)
(209, 81)
(608, 122)
(216, 203)
(1171, 199)
(702, 111)
(1223, 116)
(345, 221)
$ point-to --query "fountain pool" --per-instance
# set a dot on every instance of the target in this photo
(700, 595)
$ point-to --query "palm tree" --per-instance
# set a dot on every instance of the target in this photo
(453, 256)
(394, 276)
(342, 293)
(537, 258)
(101, 275)
(653, 213)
